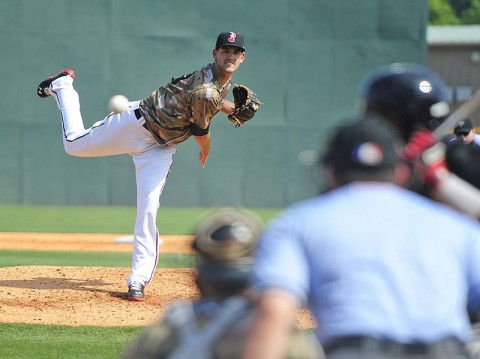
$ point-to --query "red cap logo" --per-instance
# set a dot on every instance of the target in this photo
(232, 37)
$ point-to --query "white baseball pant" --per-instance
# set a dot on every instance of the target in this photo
(120, 134)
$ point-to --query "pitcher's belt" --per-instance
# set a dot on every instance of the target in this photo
(138, 115)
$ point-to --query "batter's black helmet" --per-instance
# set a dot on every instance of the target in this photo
(410, 95)
(224, 242)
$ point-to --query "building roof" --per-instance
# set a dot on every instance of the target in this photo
(453, 35)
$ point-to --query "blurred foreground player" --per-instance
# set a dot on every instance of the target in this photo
(386, 272)
(415, 100)
(215, 326)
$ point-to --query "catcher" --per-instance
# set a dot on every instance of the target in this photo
(150, 129)
(215, 326)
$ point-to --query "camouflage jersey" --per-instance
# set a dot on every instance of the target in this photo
(193, 98)
(208, 329)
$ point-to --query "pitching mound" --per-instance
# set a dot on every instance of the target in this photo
(87, 295)
(91, 295)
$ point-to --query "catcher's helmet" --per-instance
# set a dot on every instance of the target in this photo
(224, 243)
(410, 95)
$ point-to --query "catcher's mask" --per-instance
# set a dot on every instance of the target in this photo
(409, 95)
(224, 242)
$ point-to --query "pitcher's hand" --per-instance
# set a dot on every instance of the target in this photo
(203, 155)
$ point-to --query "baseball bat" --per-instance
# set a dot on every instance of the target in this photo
(460, 194)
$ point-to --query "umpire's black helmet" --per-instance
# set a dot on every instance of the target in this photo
(224, 242)
(410, 95)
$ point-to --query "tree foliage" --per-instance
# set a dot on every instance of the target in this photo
(454, 12)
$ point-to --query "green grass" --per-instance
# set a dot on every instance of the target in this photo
(78, 219)
(11, 258)
(21, 341)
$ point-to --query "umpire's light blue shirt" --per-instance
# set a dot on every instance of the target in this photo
(375, 259)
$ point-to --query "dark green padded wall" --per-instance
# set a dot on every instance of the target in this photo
(304, 59)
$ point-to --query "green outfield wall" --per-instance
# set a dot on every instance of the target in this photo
(304, 59)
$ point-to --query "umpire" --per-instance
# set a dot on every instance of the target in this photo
(387, 273)
(215, 326)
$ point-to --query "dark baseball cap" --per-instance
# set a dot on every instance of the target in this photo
(230, 38)
(366, 144)
(463, 127)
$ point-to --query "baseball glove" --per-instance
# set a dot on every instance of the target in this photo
(246, 105)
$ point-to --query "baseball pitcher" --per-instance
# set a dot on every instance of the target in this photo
(150, 129)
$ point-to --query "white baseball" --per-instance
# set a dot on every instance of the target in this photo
(118, 103)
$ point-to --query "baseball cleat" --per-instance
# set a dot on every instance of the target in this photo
(42, 90)
(136, 292)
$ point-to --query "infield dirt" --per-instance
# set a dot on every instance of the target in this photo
(92, 295)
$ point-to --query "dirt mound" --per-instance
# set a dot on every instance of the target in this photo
(91, 295)
(87, 295)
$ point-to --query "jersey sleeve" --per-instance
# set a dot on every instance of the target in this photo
(205, 103)
(280, 261)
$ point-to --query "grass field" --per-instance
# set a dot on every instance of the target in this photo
(58, 341)
(20, 341)
(10, 258)
(70, 219)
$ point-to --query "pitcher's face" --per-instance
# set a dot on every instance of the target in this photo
(228, 58)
